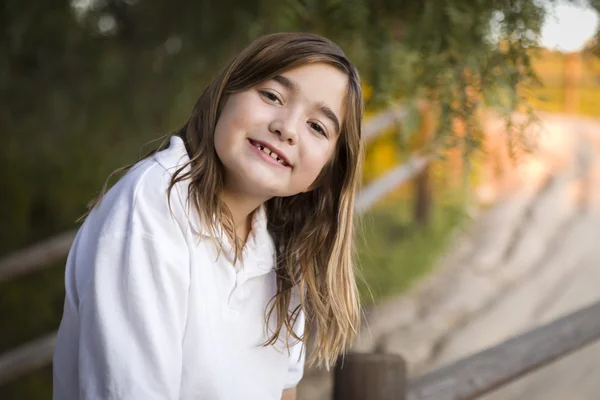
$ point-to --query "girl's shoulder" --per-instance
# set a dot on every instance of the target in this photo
(144, 197)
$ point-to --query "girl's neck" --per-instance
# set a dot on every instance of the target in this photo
(242, 209)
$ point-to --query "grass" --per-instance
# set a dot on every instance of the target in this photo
(394, 251)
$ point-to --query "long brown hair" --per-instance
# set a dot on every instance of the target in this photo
(313, 231)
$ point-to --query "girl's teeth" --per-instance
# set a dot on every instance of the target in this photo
(268, 152)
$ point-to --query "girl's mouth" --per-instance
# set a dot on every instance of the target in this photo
(268, 154)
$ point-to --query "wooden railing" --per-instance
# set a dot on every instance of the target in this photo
(26, 358)
(36, 257)
(39, 352)
(383, 376)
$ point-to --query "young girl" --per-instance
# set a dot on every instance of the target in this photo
(199, 274)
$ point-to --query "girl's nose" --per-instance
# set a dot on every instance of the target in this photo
(285, 129)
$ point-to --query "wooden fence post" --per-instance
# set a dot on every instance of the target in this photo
(572, 81)
(422, 184)
(370, 376)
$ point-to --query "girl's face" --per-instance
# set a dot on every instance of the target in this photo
(275, 138)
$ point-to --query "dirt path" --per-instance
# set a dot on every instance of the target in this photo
(529, 259)
(564, 277)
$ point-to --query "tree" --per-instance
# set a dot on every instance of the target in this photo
(79, 79)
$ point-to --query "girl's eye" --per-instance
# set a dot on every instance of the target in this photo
(317, 127)
(270, 97)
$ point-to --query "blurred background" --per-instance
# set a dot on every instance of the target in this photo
(472, 107)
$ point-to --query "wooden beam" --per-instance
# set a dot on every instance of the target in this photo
(391, 180)
(377, 124)
(26, 358)
(486, 371)
(37, 256)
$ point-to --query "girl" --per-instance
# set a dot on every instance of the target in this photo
(199, 274)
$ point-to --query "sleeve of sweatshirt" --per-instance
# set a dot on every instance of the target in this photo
(132, 308)
(297, 356)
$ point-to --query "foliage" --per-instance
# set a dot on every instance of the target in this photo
(85, 83)
(395, 250)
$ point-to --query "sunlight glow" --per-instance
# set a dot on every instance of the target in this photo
(568, 27)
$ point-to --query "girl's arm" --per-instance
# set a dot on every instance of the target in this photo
(132, 316)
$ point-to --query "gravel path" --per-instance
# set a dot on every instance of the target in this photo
(528, 259)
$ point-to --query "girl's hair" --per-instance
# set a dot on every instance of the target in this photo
(313, 231)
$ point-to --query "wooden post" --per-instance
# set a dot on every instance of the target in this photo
(422, 197)
(370, 376)
(572, 80)
(422, 184)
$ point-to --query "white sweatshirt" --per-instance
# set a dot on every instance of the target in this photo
(151, 312)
